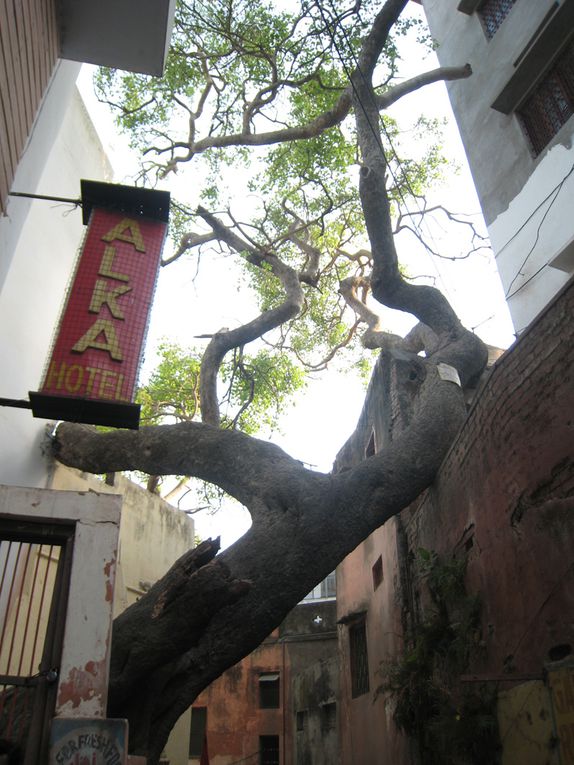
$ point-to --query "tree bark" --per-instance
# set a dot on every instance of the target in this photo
(175, 641)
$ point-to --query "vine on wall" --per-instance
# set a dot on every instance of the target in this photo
(451, 723)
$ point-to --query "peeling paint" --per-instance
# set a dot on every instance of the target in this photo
(83, 684)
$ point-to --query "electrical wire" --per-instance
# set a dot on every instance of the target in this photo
(556, 191)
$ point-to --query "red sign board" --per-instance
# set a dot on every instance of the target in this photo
(98, 348)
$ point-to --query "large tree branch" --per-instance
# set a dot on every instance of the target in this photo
(457, 346)
(441, 74)
(225, 340)
(235, 462)
(321, 123)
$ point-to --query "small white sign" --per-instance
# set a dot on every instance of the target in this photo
(88, 741)
(446, 372)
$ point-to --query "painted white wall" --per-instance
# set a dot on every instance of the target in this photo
(526, 200)
(46, 127)
(39, 241)
(533, 231)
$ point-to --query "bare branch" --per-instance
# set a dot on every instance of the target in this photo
(445, 73)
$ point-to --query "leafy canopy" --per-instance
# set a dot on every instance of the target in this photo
(240, 75)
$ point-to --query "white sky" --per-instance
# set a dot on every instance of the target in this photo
(326, 412)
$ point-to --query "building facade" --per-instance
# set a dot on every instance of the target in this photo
(47, 145)
(279, 705)
(515, 119)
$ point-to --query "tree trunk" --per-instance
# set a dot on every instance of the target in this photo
(209, 612)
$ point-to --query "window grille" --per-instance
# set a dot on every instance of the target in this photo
(492, 13)
(268, 750)
(359, 659)
(551, 104)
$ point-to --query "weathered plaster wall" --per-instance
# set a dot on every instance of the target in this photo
(314, 696)
(504, 499)
(153, 535)
(38, 245)
(84, 664)
(303, 651)
(526, 200)
(366, 721)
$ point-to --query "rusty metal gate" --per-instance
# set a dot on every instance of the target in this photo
(35, 565)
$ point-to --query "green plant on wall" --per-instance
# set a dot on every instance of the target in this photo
(453, 723)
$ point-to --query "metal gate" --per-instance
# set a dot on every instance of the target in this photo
(35, 565)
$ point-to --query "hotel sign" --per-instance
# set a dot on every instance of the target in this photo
(97, 352)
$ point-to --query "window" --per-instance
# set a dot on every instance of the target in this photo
(301, 720)
(359, 659)
(197, 731)
(324, 590)
(492, 13)
(551, 104)
(377, 572)
(269, 690)
(268, 750)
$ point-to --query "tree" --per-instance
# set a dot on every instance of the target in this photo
(253, 68)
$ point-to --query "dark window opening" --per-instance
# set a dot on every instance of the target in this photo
(302, 720)
(197, 731)
(492, 13)
(378, 572)
(551, 104)
(268, 750)
(559, 652)
(359, 659)
(328, 717)
(269, 690)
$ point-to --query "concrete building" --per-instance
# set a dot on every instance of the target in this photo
(55, 639)
(515, 120)
(279, 705)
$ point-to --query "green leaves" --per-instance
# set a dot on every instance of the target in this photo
(172, 391)
(255, 389)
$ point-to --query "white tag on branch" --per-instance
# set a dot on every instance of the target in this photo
(446, 372)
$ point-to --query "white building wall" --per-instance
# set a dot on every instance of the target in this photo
(533, 231)
(526, 200)
(39, 241)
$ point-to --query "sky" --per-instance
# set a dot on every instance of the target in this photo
(325, 414)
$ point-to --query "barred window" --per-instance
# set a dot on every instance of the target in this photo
(359, 659)
(551, 104)
(492, 13)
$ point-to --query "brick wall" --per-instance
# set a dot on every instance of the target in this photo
(503, 499)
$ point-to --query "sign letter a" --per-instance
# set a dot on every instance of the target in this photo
(109, 342)
(127, 230)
